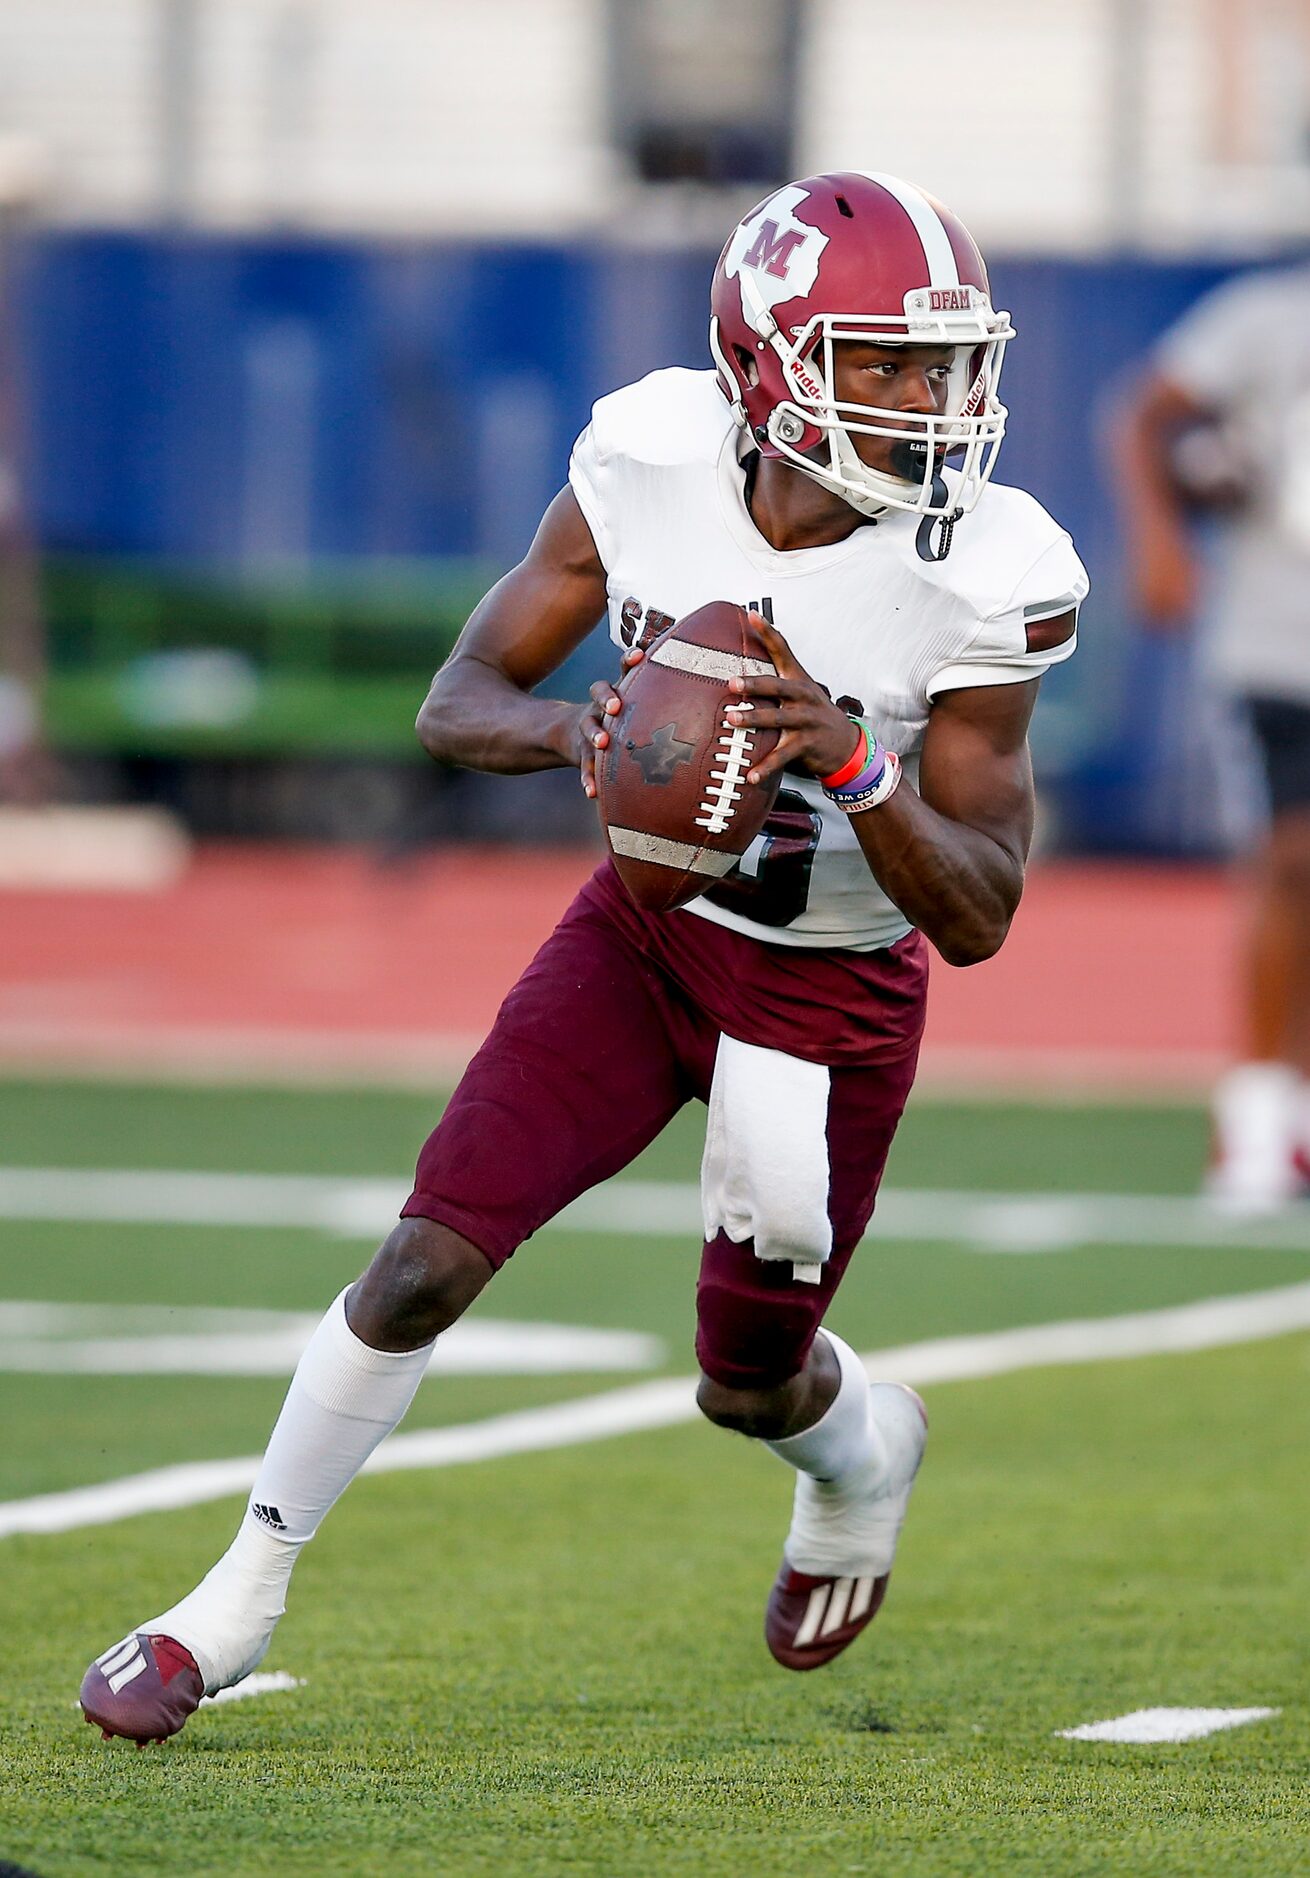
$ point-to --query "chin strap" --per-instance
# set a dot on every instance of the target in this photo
(923, 540)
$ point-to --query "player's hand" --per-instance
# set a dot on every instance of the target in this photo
(597, 715)
(817, 735)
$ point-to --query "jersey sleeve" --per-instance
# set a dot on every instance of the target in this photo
(1010, 645)
(591, 479)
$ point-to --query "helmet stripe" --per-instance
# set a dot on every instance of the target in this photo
(928, 225)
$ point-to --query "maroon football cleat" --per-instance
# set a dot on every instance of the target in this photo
(144, 1688)
(813, 1617)
(811, 1620)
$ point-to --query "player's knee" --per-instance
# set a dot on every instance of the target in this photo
(422, 1278)
(762, 1413)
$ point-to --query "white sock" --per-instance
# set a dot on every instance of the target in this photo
(1257, 1108)
(838, 1461)
(343, 1398)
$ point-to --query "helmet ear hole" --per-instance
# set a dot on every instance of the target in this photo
(749, 370)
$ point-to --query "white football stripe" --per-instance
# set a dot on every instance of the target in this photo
(809, 1624)
(937, 249)
(1167, 1724)
(708, 661)
(862, 1599)
(635, 845)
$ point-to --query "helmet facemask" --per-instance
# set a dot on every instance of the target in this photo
(814, 430)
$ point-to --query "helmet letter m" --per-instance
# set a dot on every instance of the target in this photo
(771, 251)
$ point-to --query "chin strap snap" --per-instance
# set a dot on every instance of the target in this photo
(923, 540)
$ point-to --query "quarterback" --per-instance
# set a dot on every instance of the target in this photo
(830, 473)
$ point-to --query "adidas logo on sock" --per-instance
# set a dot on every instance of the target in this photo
(269, 1515)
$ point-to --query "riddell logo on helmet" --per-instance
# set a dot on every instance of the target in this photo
(808, 386)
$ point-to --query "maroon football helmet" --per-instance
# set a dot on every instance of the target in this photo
(859, 256)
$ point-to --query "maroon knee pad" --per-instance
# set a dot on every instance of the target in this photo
(754, 1321)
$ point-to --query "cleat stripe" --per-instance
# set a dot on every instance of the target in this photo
(809, 1625)
(122, 1677)
(120, 1654)
(841, 1597)
(863, 1598)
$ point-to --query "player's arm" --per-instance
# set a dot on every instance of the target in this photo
(1161, 559)
(951, 855)
(480, 712)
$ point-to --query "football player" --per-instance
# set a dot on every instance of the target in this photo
(1216, 384)
(831, 471)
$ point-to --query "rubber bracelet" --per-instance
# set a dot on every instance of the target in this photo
(857, 760)
(854, 802)
(869, 777)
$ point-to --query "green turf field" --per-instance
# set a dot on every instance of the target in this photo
(552, 1662)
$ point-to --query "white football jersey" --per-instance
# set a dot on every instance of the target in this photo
(659, 477)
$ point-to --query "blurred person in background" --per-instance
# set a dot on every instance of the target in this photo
(1219, 425)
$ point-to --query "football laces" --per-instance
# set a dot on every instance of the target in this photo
(727, 782)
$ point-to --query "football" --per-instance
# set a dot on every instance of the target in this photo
(675, 805)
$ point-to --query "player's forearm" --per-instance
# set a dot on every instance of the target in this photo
(956, 884)
(1139, 451)
(476, 718)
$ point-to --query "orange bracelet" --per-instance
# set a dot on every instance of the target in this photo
(855, 762)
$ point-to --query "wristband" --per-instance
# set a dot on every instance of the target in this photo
(858, 760)
(863, 770)
(867, 795)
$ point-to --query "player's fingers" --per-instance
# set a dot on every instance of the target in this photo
(778, 758)
(606, 699)
(593, 725)
(784, 716)
(633, 656)
(765, 685)
(779, 651)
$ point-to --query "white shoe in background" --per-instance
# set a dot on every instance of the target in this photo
(1257, 1110)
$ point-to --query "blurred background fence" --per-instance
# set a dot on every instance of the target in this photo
(306, 300)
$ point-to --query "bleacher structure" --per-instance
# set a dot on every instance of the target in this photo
(1073, 126)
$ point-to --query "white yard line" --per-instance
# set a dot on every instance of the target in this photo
(1167, 1724)
(180, 1340)
(661, 1404)
(263, 1682)
(367, 1209)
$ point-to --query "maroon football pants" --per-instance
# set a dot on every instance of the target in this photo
(594, 1050)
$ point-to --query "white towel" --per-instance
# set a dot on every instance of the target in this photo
(765, 1172)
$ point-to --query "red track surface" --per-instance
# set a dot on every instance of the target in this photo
(290, 961)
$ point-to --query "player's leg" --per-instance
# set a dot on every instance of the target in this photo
(1261, 1123)
(800, 1165)
(577, 1075)
(347, 1393)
